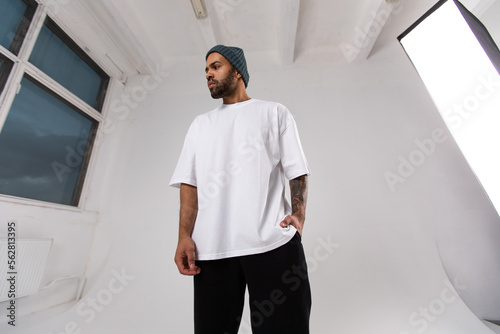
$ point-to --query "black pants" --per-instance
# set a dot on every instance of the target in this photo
(278, 286)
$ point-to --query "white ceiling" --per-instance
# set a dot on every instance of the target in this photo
(139, 36)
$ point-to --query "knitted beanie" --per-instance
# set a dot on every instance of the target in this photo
(235, 57)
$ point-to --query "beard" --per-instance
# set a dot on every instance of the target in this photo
(224, 87)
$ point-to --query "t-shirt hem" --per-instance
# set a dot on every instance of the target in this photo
(177, 183)
(244, 252)
(298, 173)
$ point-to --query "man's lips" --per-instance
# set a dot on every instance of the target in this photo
(211, 84)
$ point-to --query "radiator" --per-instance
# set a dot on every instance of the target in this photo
(30, 258)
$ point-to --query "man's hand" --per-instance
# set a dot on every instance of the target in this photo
(184, 257)
(294, 221)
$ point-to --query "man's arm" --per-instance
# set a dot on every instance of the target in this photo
(298, 192)
(184, 255)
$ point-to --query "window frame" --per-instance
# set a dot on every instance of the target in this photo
(59, 32)
(22, 67)
(5, 76)
(18, 39)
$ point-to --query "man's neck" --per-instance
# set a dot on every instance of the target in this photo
(238, 96)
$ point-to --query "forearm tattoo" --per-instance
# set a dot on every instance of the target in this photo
(298, 191)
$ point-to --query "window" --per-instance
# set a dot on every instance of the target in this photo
(15, 18)
(51, 109)
(59, 57)
(44, 145)
(460, 63)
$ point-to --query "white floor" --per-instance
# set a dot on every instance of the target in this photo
(493, 327)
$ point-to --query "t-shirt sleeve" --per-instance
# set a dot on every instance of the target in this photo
(185, 172)
(292, 156)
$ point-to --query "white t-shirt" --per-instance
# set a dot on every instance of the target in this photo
(239, 157)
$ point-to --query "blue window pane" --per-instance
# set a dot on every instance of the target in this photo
(44, 147)
(15, 18)
(59, 57)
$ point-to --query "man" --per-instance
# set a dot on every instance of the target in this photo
(236, 227)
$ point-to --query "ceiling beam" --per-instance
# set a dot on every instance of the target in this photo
(289, 22)
(83, 28)
(370, 24)
(145, 58)
(207, 31)
(477, 7)
(102, 31)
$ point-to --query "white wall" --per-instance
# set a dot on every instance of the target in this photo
(355, 121)
(72, 233)
(71, 228)
(384, 273)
